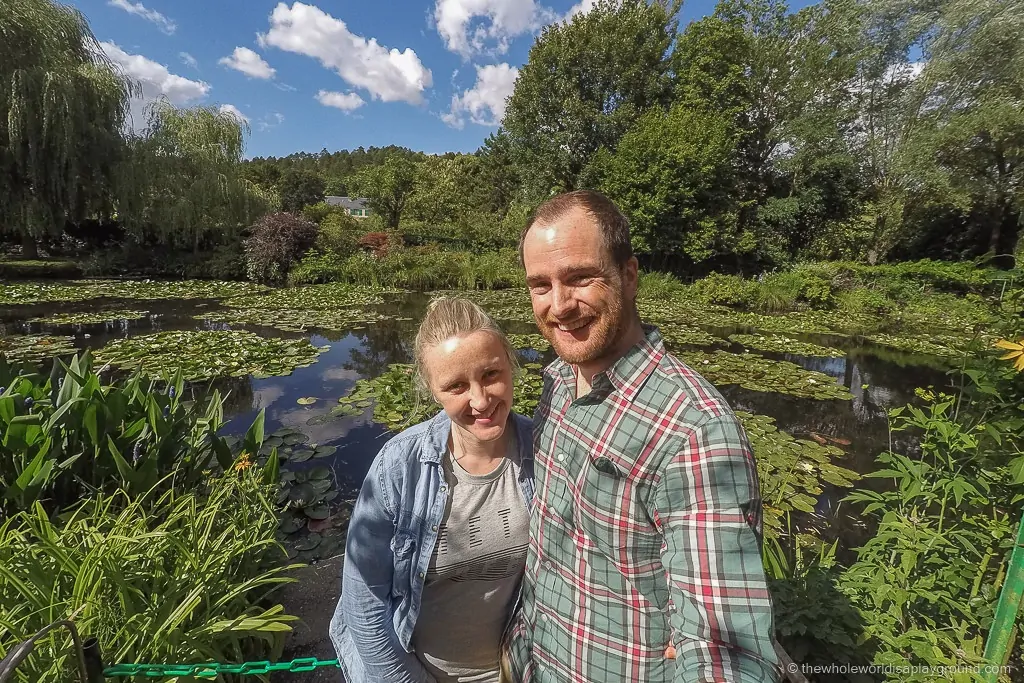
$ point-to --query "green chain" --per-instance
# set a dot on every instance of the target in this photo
(212, 669)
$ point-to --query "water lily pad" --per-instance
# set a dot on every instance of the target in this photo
(291, 523)
(306, 400)
(324, 451)
(780, 343)
(283, 494)
(81, 290)
(303, 494)
(301, 455)
(758, 373)
(319, 511)
(321, 485)
(320, 472)
(329, 496)
(295, 438)
(208, 353)
(286, 476)
(308, 542)
(90, 318)
(35, 348)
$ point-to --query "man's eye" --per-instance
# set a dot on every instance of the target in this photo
(540, 289)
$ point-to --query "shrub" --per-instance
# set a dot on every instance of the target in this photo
(380, 244)
(315, 268)
(277, 240)
(864, 301)
(339, 234)
(727, 290)
(659, 286)
(778, 292)
(498, 269)
(320, 211)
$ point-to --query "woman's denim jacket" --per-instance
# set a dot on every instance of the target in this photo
(391, 537)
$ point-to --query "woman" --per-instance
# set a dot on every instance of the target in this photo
(437, 542)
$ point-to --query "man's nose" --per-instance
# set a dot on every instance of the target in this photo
(562, 302)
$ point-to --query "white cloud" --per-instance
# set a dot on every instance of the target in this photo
(580, 8)
(348, 101)
(248, 62)
(155, 82)
(484, 103)
(234, 111)
(188, 59)
(137, 8)
(270, 121)
(500, 22)
(388, 75)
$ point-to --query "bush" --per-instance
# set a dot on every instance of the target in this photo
(864, 301)
(339, 234)
(316, 268)
(778, 292)
(380, 244)
(320, 211)
(277, 241)
(659, 286)
(726, 290)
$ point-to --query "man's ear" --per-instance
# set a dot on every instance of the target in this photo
(631, 277)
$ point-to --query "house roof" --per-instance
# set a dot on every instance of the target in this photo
(348, 202)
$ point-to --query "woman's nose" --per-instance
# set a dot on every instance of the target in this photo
(477, 397)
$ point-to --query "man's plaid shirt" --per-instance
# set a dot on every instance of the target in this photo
(645, 531)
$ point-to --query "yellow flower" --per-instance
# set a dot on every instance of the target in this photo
(243, 462)
(1015, 351)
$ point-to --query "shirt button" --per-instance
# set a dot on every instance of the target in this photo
(421, 575)
(561, 457)
(433, 528)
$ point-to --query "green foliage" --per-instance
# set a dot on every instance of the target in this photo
(779, 343)
(209, 353)
(174, 577)
(39, 269)
(757, 373)
(34, 348)
(110, 316)
(275, 242)
(726, 290)
(66, 434)
(586, 81)
(654, 286)
(82, 290)
(778, 292)
(319, 212)
(63, 108)
(671, 175)
(328, 297)
(299, 189)
(388, 187)
(317, 268)
(183, 185)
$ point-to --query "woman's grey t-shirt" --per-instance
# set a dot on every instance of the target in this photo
(474, 573)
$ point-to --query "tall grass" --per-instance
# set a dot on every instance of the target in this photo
(172, 577)
(658, 286)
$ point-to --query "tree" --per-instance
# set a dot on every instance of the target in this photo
(585, 83)
(388, 187)
(440, 191)
(63, 109)
(972, 142)
(671, 175)
(299, 189)
(185, 183)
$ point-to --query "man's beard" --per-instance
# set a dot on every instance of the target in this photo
(603, 335)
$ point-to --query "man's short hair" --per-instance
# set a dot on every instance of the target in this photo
(612, 224)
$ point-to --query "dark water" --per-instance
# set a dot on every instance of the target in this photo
(890, 379)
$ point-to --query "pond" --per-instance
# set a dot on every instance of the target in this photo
(841, 404)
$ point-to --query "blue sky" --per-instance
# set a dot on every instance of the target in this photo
(430, 75)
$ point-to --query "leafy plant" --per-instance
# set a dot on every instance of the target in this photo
(758, 373)
(35, 348)
(68, 434)
(176, 576)
(276, 242)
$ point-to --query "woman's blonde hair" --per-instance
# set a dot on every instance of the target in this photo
(452, 316)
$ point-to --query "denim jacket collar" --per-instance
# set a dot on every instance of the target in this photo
(440, 427)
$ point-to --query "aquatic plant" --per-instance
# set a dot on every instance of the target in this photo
(297, 320)
(504, 304)
(209, 353)
(944, 345)
(537, 342)
(779, 343)
(90, 318)
(34, 348)
(327, 297)
(676, 334)
(758, 373)
(81, 290)
(791, 471)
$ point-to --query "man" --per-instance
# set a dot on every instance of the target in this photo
(645, 532)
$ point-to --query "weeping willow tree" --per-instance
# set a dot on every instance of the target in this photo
(62, 114)
(183, 185)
